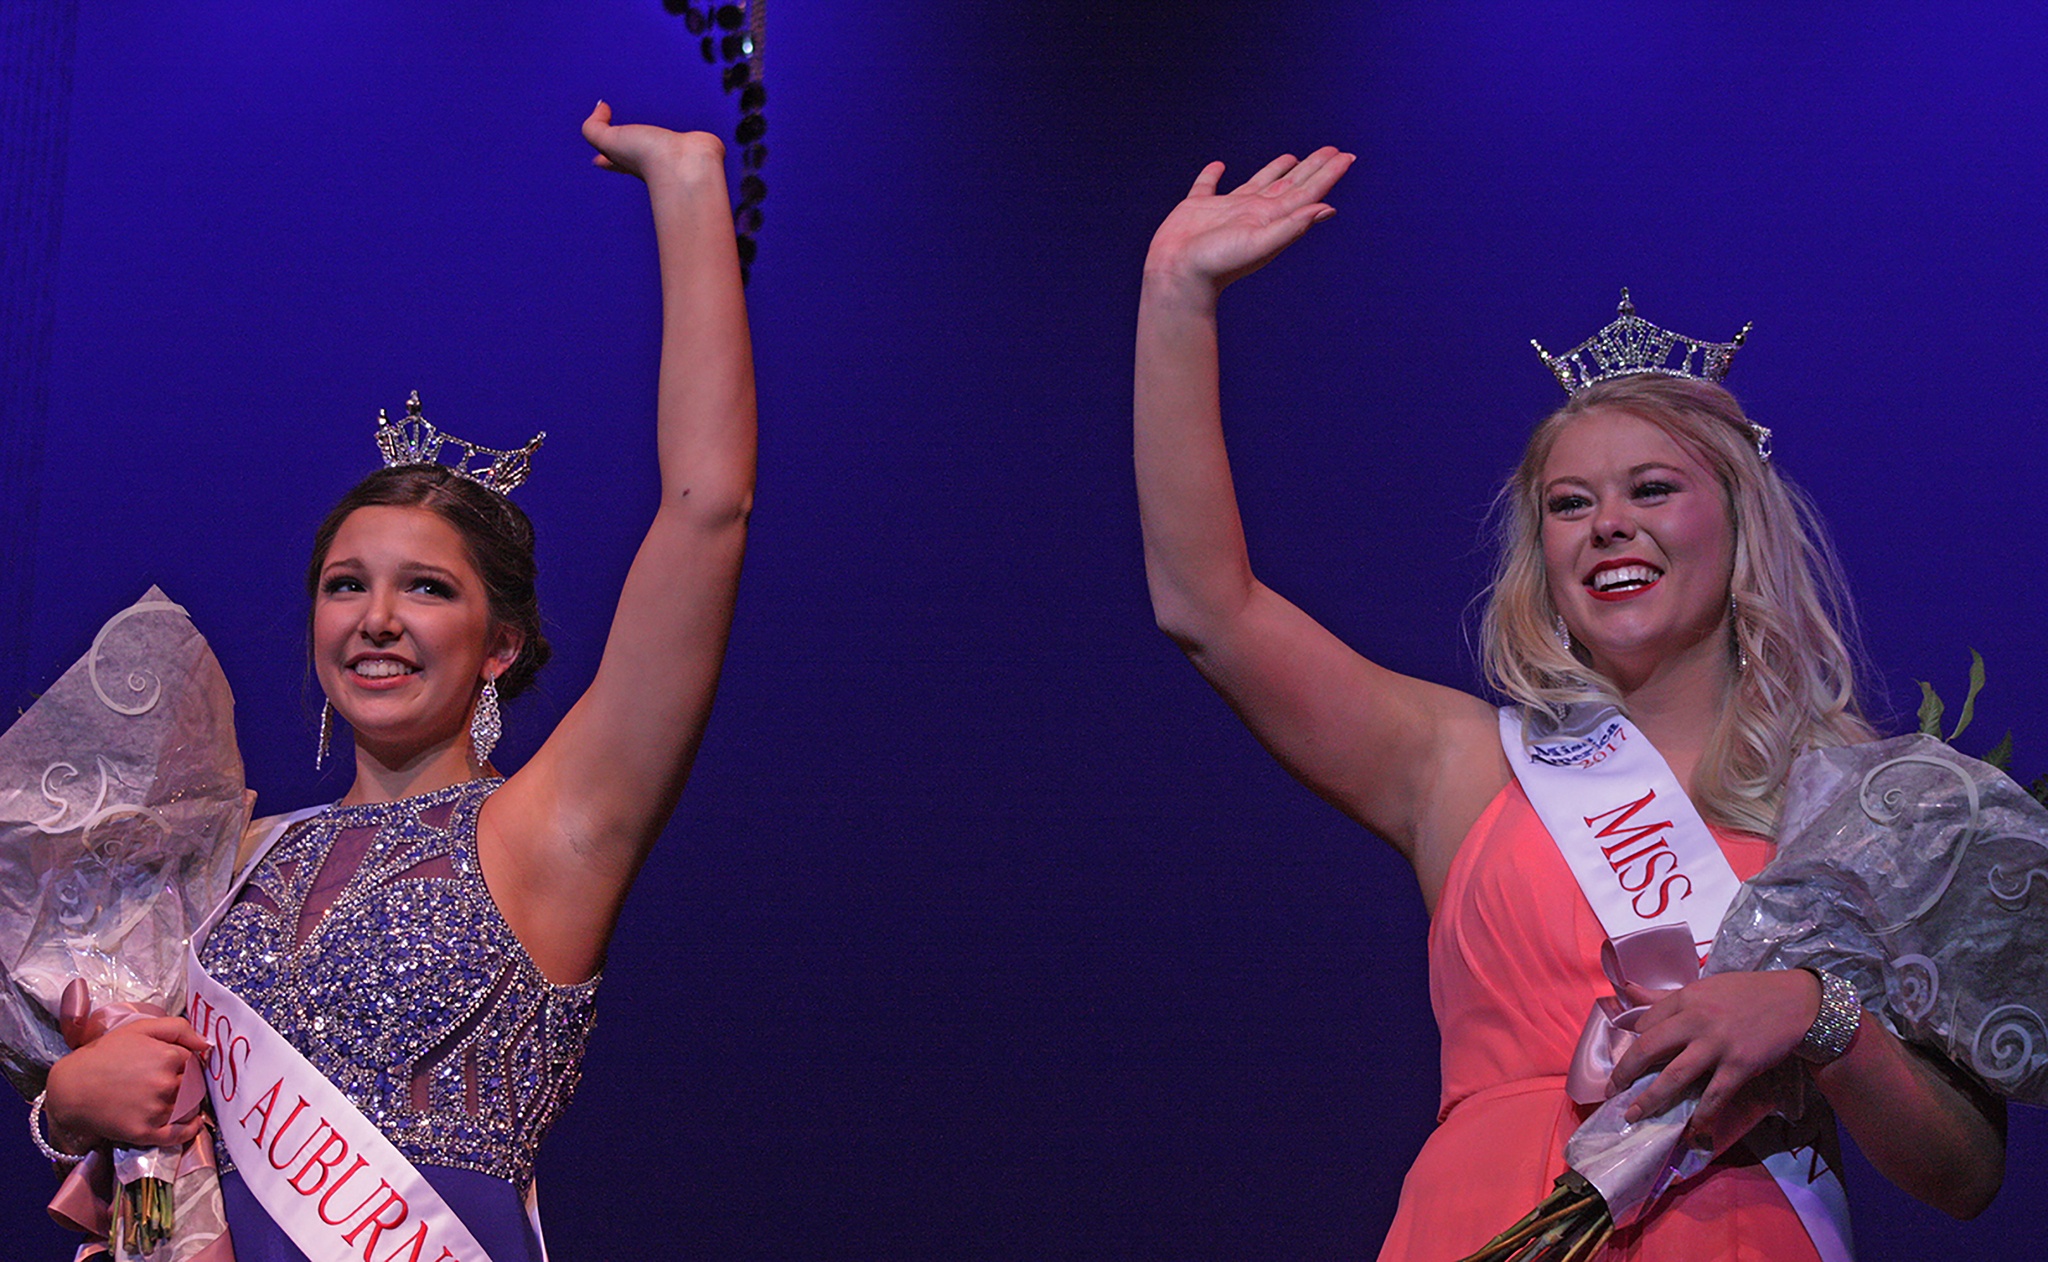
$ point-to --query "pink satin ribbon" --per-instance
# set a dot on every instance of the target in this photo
(1662, 958)
(84, 1202)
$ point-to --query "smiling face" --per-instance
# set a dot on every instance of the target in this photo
(1638, 546)
(402, 632)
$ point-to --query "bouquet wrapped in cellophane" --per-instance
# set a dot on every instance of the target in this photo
(1902, 866)
(121, 806)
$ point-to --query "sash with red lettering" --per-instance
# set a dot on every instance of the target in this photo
(324, 1172)
(1644, 858)
(1633, 839)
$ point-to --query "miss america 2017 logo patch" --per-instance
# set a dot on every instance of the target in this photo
(1581, 751)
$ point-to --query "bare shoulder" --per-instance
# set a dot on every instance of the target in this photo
(558, 891)
(1468, 771)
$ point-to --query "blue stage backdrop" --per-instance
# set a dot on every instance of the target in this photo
(984, 930)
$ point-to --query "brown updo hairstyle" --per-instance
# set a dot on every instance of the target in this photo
(496, 532)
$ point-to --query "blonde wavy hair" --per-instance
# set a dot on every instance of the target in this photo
(1791, 612)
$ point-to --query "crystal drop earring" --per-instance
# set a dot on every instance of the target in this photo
(485, 726)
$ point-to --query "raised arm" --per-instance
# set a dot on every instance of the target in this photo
(1413, 761)
(561, 842)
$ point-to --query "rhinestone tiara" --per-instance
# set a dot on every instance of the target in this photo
(1631, 345)
(414, 440)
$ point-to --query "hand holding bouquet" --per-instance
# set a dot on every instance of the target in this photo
(121, 807)
(1903, 867)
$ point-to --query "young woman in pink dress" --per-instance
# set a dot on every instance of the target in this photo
(1644, 524)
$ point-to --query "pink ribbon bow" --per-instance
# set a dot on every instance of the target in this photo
(1663, 958)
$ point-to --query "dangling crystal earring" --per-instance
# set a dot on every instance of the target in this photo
(1735, 629)
(485, 726)
(1564, 634)
(326, 733)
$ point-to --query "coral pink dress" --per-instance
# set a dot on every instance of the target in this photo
(1514, 966)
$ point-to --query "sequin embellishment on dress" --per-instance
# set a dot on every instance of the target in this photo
(367, 937)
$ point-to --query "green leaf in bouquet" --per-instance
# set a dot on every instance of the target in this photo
(2001, 753)
(1970, 698)
(1930, 710)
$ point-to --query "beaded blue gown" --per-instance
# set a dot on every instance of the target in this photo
(368, 939)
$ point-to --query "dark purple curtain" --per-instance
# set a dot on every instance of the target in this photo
(984, 930)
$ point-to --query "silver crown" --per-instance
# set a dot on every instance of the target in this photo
(414, 440)
(1631, 345)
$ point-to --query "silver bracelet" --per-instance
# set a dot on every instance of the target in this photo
(35, 1132)
(1834, 1026)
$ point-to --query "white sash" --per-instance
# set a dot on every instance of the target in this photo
(1633, 839)
(324, 1172)
(1643, 857)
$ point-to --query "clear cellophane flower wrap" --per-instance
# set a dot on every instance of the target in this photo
(1906, 868)
(1910, 870)
(121, 807)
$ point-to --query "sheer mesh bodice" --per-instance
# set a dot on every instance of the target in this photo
(367, 938)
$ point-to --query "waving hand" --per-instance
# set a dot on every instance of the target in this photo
(1221, 237)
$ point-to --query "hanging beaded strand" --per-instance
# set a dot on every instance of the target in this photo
(732, 34)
